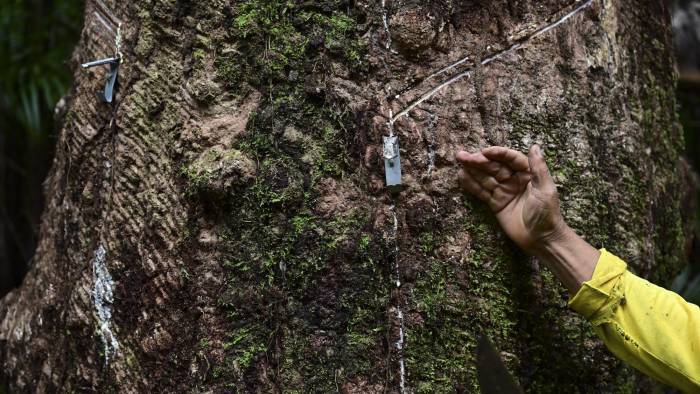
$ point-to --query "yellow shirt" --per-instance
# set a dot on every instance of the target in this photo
(652, 329)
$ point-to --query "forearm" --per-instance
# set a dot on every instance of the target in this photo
(651, 328)
(569, 257)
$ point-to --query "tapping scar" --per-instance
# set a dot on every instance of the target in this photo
(488, 59)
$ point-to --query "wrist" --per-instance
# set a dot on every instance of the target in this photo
(568, 256)
(559, 235)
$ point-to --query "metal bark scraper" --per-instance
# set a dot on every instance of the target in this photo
(492, 374)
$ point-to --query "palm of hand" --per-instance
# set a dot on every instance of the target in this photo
(525, 218)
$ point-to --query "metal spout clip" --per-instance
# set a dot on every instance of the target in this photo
(108, 94)
(392, 163)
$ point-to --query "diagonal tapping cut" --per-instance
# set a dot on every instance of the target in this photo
(485, 61)
(104, 23)
(107, 12)
(537, 32)
(106, 17)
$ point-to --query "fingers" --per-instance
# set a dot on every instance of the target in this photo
(541, 179)
(478, 160)
(509, 157)
(499, 161)
(472, 159)
(473, 186)
(463, 156)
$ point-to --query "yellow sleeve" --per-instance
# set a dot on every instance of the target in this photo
(652, 329)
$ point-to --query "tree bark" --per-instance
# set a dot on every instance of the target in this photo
(224, 226)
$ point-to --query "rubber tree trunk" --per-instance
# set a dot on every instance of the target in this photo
(224, 225)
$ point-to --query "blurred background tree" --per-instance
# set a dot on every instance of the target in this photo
(686, 30)
(36, 40)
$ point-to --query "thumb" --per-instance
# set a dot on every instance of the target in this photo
(540, 173)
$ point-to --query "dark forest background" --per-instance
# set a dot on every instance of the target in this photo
(36, 41)
(686, 30)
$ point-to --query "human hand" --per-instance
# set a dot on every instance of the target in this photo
(518, 189)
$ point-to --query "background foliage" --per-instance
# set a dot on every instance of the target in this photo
(36, 40)
(686, 29)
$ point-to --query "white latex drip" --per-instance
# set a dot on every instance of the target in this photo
(431, 160)
(103, 297)
(390, 124)
(561, 20)
(395, 233)
(399, 313)
(448, 68)
(385, 20)
(399, 346)
(431, 92)
(431, 145)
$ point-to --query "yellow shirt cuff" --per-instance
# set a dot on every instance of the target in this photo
(598, 297)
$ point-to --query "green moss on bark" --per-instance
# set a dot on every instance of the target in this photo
(281, 256)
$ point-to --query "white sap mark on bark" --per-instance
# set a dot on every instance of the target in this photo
(385, 20)
(430, 138)
(23, 331)
(103, 297)
(428, 135)
(390, 124)
(448, 68)
(431, 160)
(499, 55)
(562, 19)
(399, 313)
(394, 236)
(108, 171)
(487, 60)
(430, 93)
(399, 346)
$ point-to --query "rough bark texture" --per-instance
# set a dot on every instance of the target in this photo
(224, 226)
